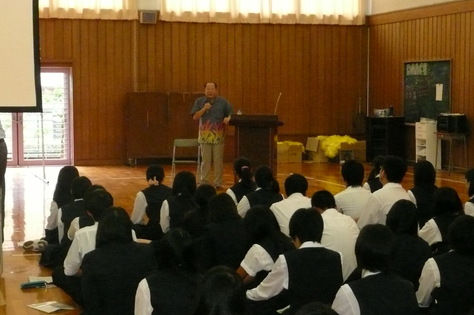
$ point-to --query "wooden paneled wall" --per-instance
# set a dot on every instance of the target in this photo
(320, 71)
(431, 33)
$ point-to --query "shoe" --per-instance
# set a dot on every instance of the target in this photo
(35, 245)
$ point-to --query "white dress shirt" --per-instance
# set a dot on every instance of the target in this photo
(276, 280)
(73, 228)
(345, 302)
(284, 209)
(256, 260)
(139, 209)
(165, 216)
(469, 208)
(352, 200)
(244, 205)
(429, 280)
(380, 203)
(143, 299)
(230, 192)
(52, 220)
(430, 232)
(83, 242)
(340, 234)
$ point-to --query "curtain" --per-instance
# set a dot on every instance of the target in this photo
(89, 9)
(345, 12)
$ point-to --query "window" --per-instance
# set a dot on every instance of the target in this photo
(89, 9)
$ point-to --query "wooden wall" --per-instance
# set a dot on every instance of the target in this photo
(320, 71)
(431, 33)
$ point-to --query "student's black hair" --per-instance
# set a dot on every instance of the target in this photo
(401, 218)
(296, 183)
(376, 165)
(221, 293)
(260, 223)
(155, 171)
(352, 172)
(243, 170)
(469, 175)
(96, 201)
(424, 174)
(203, 194)
(323, 199)
(316, 308)
(446, 201)
(114, 227)
(461, 234)
(79, 186)
(264, 178)
(175, 251)
(184, 183)
(307, 225)
(395, 168)
(62, 192)
(222, 208)
(374, 247)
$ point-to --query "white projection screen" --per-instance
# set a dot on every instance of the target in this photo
(20, 86)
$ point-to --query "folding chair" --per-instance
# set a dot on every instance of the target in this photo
(186, 143)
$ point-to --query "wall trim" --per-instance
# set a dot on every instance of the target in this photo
(422, 12)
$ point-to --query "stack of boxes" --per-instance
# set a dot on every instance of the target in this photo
(289, 152)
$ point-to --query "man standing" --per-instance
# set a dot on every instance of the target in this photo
(3, 168)
(213, 113)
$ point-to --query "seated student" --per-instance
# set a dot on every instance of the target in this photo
(316, 308)
(392, 171)
(149, 201)
(447, 206)
(172, 289)
(62, 195)
(309, 273)
(72, 210)
(112, 271)
(87, 219)
(422, 194)
(181, 201)
(296, 186)
(379, 291)
(267, 192)
(245, 185)
(340, 231)
(447, 280)
(221, 292)
(68, 276)
(268, 243)
(469, 205)
(410, 251)
(195, 220)
(352, 200)
(225, 239)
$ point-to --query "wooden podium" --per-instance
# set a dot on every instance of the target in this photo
(255, 138)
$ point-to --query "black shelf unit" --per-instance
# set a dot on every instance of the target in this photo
(385, 136)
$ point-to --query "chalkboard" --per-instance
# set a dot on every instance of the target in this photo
(427, 89)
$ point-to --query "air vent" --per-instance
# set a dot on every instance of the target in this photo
(148, 17)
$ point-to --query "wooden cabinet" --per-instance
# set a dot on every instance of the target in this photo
(425, 143)
(385, 136)
(154, 120)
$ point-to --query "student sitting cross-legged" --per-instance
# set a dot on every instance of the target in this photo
(309, 273)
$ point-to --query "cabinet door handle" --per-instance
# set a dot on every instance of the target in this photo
(147, 119)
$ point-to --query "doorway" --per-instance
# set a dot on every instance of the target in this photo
(43, 138)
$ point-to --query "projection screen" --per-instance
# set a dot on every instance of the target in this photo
(20, 86)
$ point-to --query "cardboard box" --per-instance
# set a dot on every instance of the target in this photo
(312, 144)
(282, 152)
(315, 154)
(355, 151)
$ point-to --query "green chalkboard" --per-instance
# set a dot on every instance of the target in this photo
(427, 86)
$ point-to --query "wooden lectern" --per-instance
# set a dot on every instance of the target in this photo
(255, 138)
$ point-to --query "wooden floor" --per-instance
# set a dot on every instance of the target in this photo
(29, 192)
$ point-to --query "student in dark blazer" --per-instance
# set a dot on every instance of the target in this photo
(379, 291)
(111, 272)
